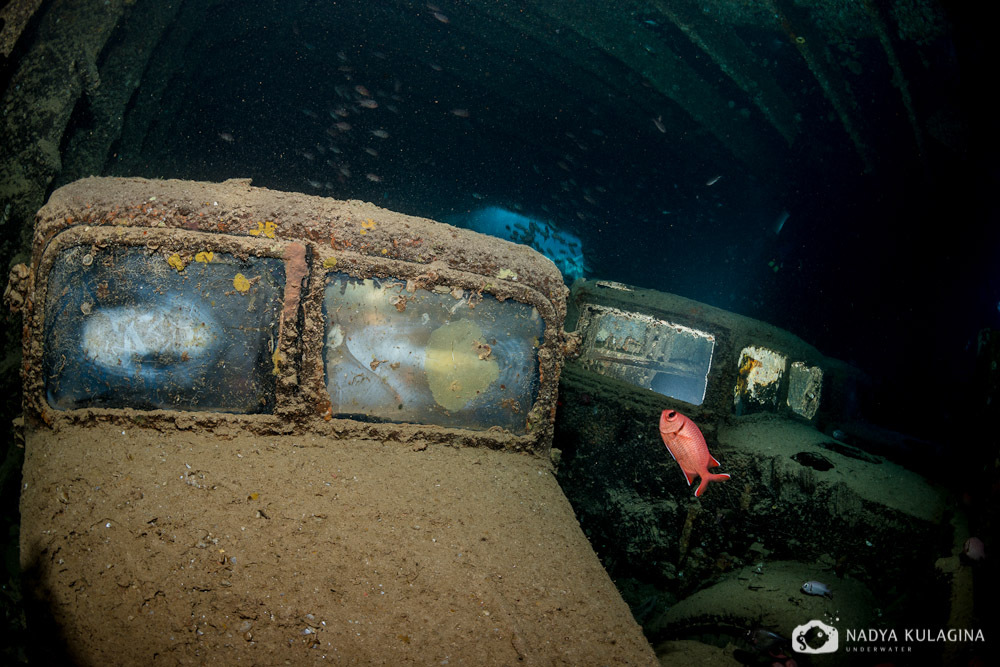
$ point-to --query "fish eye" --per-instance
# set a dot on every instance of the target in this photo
(671, 414)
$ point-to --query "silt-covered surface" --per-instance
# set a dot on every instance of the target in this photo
(186, 545)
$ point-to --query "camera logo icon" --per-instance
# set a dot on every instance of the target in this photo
(815, 637)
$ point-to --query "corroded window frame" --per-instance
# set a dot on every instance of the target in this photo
(734, 385)
(311, 235)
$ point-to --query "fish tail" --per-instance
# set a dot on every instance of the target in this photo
(709, 477)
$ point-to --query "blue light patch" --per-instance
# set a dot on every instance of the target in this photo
(564, 248)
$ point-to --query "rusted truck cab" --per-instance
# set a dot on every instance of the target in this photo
(271, 427)
(809, 497)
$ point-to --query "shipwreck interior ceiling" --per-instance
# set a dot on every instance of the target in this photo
(746, 154)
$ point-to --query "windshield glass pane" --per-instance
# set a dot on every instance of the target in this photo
(647, 352)
(447, 357)
(127, 327)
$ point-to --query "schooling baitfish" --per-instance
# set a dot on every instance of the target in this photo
(687, 445)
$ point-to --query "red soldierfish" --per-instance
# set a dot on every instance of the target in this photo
(687, 445)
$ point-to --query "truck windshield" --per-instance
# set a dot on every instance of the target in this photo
(449, 357)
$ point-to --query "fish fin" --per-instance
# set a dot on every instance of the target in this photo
(712, 463)
(705, 479)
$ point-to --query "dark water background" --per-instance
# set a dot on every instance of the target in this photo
(893, 269)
